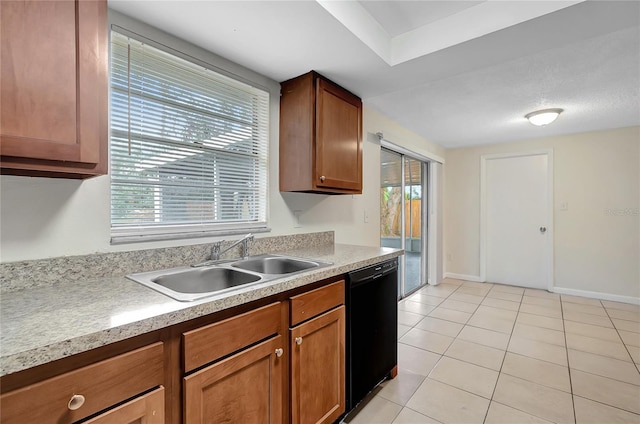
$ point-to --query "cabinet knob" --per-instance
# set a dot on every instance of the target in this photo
(76, 402)
(298, 340)
(322, 178)
(279, 352)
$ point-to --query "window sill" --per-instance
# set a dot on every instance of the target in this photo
(117, 239)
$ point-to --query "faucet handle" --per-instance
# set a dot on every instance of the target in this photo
(245, 245)
(215, 249)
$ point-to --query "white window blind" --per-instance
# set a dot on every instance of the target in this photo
(188, 147)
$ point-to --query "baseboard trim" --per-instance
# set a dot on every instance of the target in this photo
(560, 290)
(474, 278)
(597, 295)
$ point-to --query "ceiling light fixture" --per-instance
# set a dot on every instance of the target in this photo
(543, 117)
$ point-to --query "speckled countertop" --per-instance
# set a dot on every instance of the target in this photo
(42, 324)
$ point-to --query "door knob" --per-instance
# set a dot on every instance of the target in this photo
(322, 178)
(279, 352)
(543, 230)
(298, 340)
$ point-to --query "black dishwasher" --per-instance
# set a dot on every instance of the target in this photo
(372, 329)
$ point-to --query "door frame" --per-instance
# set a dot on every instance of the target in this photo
(430, 213)
(550, 208)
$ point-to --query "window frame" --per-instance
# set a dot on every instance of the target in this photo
(141, 233)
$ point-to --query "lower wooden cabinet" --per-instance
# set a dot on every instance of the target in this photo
(244, 388)
(85, 391)
(318, 369)
(281, 361)
(145, 409)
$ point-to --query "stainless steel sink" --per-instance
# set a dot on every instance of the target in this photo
(188, 283)
(205, 280)
(275, 265)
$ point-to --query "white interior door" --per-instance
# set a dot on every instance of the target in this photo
(517, 205)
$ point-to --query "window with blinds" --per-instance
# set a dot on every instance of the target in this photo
(189, 147)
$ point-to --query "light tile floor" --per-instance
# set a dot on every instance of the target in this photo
(487, 353)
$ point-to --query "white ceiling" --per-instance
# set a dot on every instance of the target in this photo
(459, 73)
(398, 17)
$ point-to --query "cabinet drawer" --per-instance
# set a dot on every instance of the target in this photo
(102, 385)
(206, 344)
(315, 302)
(147, 409)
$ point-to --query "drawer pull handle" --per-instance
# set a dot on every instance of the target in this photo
(298, 340)
(76, 402)
(279, 352)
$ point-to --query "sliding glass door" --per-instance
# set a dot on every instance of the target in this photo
(402, 216)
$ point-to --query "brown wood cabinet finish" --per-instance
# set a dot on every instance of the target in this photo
(320, 137)
(209, 343)
(145, 409)
(244, 388)
(53, 96)
(169, 358)
(318, 369)
(102, 385)
(315, 302)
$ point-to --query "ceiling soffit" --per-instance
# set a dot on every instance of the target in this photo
(470, 23)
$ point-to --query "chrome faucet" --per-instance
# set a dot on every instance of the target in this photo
(216, 252)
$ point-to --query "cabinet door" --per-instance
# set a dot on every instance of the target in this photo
(244, 388)
(317, 369)
(54, 85)
(338, 138)
(146, 409)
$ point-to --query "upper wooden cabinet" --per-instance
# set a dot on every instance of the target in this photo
(320, 137)
(54, 88)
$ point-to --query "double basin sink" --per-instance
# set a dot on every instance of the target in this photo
(189, 283)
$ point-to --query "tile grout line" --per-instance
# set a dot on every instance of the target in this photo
(620, 337)
(607, 405)
(443, 355)
(439, 359)
(504, 357)
(568, 368)
(598, 354)
(448, 296)
(500, 372)
(608, 357)
(460, 289)
(536, 382)
(566, 343)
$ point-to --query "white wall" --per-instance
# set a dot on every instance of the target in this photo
(46, 217)
(594, 250)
